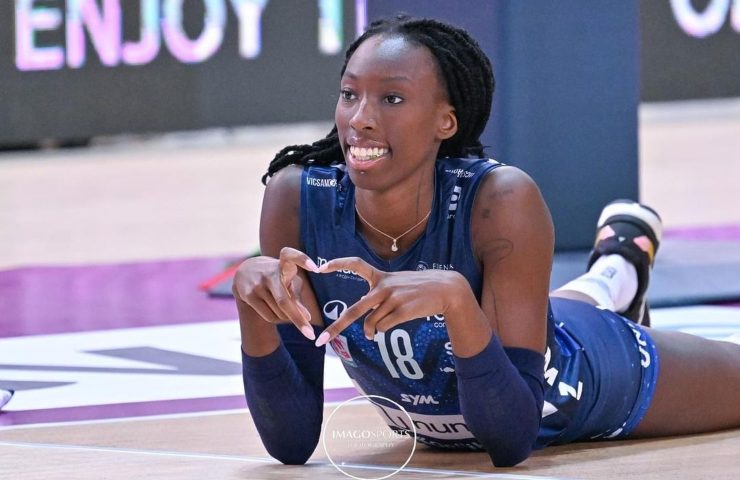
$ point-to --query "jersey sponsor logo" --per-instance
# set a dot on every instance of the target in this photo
(469, 444)
(448, 351)
(443, 427)
(334, 308)
(442, 266)
(460, 173)
(341, 348)
(321, 182)
(418, 399)
(456, 191)
(422, 265)
(345, 274)
(438, 320)
(642, 346)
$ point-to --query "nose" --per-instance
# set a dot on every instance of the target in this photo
(363, 117)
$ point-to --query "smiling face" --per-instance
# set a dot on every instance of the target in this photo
(392, 113)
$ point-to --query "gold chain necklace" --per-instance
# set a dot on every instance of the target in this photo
(394, 246)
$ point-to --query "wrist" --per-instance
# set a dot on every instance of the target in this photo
(468, 327)
(258, 336)
(460, 298)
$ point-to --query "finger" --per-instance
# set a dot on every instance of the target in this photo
(390, 320)
(347, 317)
(372, 319)
(264, 310)
(259, 298)
(287, 304)
(298, 258)
(393, 312)
(279, 316)
(287, 271)
(307, 331)
(354, 264)
(270, 302)
(263, 297)
(405, 311)
(296, 288)
(288, 276)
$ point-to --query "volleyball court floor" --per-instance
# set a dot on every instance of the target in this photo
(123, 368)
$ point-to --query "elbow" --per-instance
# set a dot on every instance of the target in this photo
(509, 457)
(292, 453)
(290, 456)
(508, 443)
(508, 446)
(292, 449)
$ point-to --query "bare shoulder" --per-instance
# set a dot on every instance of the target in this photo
(281, 205)
(285, 181)
(507, 184)
(508, 210)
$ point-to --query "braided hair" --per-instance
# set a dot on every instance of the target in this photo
(464, 70)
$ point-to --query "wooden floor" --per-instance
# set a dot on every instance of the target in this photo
(226, 445)
(175, 198)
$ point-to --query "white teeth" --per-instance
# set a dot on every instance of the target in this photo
(367, 153)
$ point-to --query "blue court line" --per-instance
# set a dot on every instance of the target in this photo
(249, 459)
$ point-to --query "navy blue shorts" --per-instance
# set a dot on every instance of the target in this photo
(624, 364)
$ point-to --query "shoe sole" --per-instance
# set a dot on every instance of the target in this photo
(626, 209)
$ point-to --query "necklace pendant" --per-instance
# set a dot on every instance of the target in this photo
(394, 247)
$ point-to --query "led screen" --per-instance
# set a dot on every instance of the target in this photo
(689, 49)
(79, 68)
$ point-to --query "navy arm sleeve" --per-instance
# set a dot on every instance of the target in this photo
(501, 394)
(285, 395)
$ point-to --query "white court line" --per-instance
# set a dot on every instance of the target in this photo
(247, 459)
(139, 418)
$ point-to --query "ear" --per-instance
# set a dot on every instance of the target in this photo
(448, 124)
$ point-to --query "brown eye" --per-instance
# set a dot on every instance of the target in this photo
(347, 95)
(393, 99)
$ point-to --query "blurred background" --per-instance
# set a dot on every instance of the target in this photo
(139, 130)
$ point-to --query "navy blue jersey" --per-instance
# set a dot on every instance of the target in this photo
(412, 364)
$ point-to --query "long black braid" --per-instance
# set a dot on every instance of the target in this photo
(465, 71)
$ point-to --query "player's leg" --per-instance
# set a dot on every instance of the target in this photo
(627, 238)
(698, 387)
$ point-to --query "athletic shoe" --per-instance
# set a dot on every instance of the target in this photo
(633, 231)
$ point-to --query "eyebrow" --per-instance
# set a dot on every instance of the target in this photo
(396, 78)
